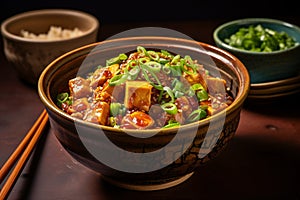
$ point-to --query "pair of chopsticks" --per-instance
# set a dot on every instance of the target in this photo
(22, 152)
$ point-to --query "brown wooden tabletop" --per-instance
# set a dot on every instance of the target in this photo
(261, 162)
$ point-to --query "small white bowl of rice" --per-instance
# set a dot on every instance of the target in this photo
(34, 39)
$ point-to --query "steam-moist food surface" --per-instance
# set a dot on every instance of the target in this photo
(54, 33)
(145, 88)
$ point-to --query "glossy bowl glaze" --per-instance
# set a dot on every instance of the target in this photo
(30, 56)
(149, 159)
(263, 66)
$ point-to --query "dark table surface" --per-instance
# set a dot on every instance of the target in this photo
(261, 162)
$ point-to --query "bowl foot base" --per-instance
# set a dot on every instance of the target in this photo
(148, 187)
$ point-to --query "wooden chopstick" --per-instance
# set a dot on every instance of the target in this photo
(16, 154)
(22, 152)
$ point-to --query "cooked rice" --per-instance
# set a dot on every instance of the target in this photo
(54, 33)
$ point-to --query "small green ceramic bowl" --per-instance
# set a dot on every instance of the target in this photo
(263, 66)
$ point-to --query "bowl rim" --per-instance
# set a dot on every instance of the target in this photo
(248, 21)
(59, 11)
(48, 103)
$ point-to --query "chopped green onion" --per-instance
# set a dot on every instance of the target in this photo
(118, 79)
(114, 109)
(131, 64)
(170, 108)
(187, 64)
(63, 98)
(144, 60)
(202, 95)
(188, 60)
(112, 121)
(146, 69)
(172, 124)
(178, 94)
(163, 61)
(141, 49)
(166, 53)
(153, 66)
(175, 60)
(176, 70)
(116, 60)
(170, 93)
(196, 115)
(134, 72)
(166, 69)
(191, 92)
(160, 95)
(153, 55)
(260, 39)
(158, 87)
(122, 56)
(197, 86)
(203, 107)
(178, 86)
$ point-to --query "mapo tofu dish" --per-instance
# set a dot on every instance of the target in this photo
(145, 89)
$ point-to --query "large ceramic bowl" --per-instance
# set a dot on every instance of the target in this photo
(147, 159)
(29, 56)
(263, 67)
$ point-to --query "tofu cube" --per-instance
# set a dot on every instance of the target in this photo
(138, 95)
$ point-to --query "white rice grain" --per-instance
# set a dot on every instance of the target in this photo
(54, 33)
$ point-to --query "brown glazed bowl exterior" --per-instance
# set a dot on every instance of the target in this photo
(29, 56)
(178, 151)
